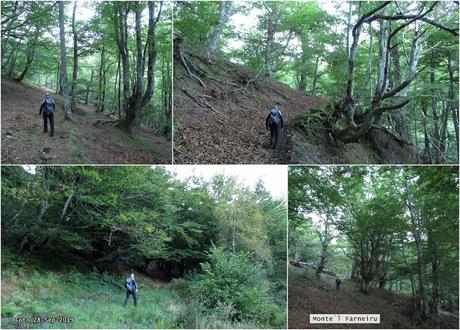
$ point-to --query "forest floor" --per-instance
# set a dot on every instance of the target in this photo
(83, 140)
(310, 296)
(224, 121)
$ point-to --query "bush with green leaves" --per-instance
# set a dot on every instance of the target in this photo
(234, 281)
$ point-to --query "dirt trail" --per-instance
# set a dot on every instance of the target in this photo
(308, 296)
(224, 122)
(80, 141)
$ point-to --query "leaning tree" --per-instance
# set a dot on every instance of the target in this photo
(350, 121)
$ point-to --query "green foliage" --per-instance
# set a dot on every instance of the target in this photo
(376, 213)
(234, 285)
(111, 218)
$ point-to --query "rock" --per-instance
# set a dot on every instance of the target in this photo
(46, 150)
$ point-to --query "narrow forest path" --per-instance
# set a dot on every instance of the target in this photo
(80, 141)
(309, 296)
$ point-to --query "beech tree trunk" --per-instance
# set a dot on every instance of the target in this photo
(304, 64)
(67, 108)
(75, 60)
(89, 86)
(134, 100)
(213, 44)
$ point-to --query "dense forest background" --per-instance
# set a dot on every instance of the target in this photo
(207, 253)
(380, 229)
(115, 56)
(391, 66)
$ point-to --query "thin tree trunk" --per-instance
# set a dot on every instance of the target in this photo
(416, 231)
(89, 86)
(67, 109)
(315, 76)
(101, 78)
(75, 60)
(58, 80)
(304, 64)
(436, 135)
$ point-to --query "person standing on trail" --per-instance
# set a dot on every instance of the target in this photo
(337, 283)
(47, 108)
(131, 289)
(274, 122)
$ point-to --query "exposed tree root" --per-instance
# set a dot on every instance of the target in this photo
(184, 63)
(201, 102)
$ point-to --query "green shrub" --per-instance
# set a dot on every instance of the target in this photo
(232, 288)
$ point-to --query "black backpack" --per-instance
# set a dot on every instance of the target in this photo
(275, 116)
(48, 105)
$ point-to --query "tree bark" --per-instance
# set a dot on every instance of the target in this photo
(304, 64)
(75, 60)
(101, 79)
(224, 9)
(416, 231)
(140, 96)
(67, 109)
(89, 86)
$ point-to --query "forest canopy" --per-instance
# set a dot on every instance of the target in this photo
(394, 228)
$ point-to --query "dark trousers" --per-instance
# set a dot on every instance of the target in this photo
(274, 133)
(128, 293)
(46, 117)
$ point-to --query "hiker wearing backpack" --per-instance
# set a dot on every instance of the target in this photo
(274, 122)
(131, 289)
(47, 108)
(338, 281)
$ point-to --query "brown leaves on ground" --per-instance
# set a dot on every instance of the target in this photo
(224, 123)
(309, 296)
(74, 142)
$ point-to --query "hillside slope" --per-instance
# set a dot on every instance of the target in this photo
(222, 120)
(76, 142)
(309, 296)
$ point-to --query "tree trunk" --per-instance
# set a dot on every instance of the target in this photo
(89, 86)
(101, 78)
(349, 28)
(117, 73)
(451, 99)
(75, 60)
(416, 231)
(436, 135)
(270, 30)
(436, 281)
(67, 109)
(304, 64)
(58, 80)
(133, 103)
(224, 10)
(426, 157)
(315, 76)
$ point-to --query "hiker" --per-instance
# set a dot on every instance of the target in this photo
(131, 289)
(337, 283)
(274, 121)
(47, 107)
